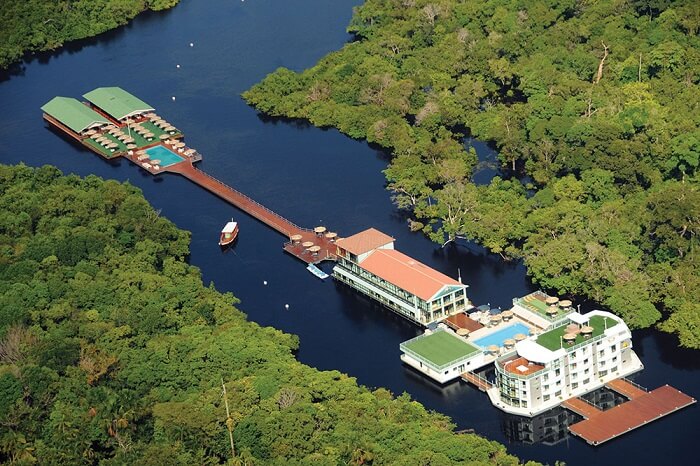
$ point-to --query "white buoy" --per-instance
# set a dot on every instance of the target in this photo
(286, 306)
(191, 44)
(264, 282)
(178, 65)
(173, 97)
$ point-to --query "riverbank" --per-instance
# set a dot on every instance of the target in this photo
(595, 203)
(298, 171)
(31, 26)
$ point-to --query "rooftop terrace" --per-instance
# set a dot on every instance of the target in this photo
(440, 348)
(552, 340)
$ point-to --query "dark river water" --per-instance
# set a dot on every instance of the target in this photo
(311, 176)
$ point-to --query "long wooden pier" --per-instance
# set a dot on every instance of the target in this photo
(642, 408)
(298, 238)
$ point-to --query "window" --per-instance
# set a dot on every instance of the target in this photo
(602, 363)
(586, 381)
(573, 365)
(586, 371)
(546, 398)
(546, 377)
(558, 393)
(545, 387)
(558, 382)
(613, 348)
(614, 359)
(603, 373)
(574, 385)
(573, 354)
(557, 372)
(601, 353)
(585, 361)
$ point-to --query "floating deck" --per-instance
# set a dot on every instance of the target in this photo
(643, 408)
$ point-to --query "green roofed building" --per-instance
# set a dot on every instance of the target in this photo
(116, 102)
(72, 113)
(441, 355)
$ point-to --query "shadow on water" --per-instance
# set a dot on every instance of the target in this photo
(146, 19)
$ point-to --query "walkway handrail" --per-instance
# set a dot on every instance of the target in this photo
(257, 204)
(634, 384)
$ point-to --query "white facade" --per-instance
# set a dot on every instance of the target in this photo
(534, 378)
(445, 372)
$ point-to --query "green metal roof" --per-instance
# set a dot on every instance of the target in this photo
(72, 113)
(117, 102)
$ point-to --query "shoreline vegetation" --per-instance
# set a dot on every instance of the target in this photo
(30, 26)
(593, 107)
(113, 351)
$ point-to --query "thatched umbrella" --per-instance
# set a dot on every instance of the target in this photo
(296, 238)
(493, 349)
(163, 137)
(307, 244)
(552, 310)
(519, 336)
(462, 332)
(551, 300)
(131, 146)
(569, 337)
(565, 303)
(509, 343)
(314, 249)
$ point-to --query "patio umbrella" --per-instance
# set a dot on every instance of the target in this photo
(551, 310)
(307, 244)
(319, 229)
(519, 336)
(148, 135)
(163, 137)
(179, 145)
(315, 249)
(131, 146)
(155, 161)
(551, 300)
(509, 342)
(462, 332)
(493, 349)
(565, 303)
(295, 238)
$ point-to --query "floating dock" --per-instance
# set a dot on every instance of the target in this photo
(642, 408)
(117, 124)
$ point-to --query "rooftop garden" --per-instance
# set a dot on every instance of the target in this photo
(440, 348)
(552, 340)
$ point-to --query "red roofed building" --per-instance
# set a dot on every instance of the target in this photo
(369, 263)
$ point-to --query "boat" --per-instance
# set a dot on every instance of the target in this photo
(316, 271)
(229, 233)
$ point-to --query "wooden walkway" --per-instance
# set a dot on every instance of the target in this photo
(626, 388)
(476, 380)
(581, 407)
(256, 210)
(601, 426)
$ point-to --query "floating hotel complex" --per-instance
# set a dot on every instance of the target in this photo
(544, 353)
(368, 262)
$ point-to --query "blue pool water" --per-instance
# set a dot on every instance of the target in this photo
(166, 156)
(497, 338)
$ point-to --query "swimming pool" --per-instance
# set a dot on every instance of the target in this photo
(166, 156)
(497, 338)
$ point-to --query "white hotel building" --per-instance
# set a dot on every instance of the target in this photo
(368, 262)
(581, 355)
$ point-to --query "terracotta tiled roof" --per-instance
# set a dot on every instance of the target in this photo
(406, 273)
(364, 241)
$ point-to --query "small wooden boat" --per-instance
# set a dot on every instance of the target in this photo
(316, 271)
(228, 234)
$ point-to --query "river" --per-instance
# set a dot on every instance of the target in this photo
(311, 176)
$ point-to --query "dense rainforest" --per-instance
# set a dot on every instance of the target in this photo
(28, 26)
(112, 351)
(593, 105)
